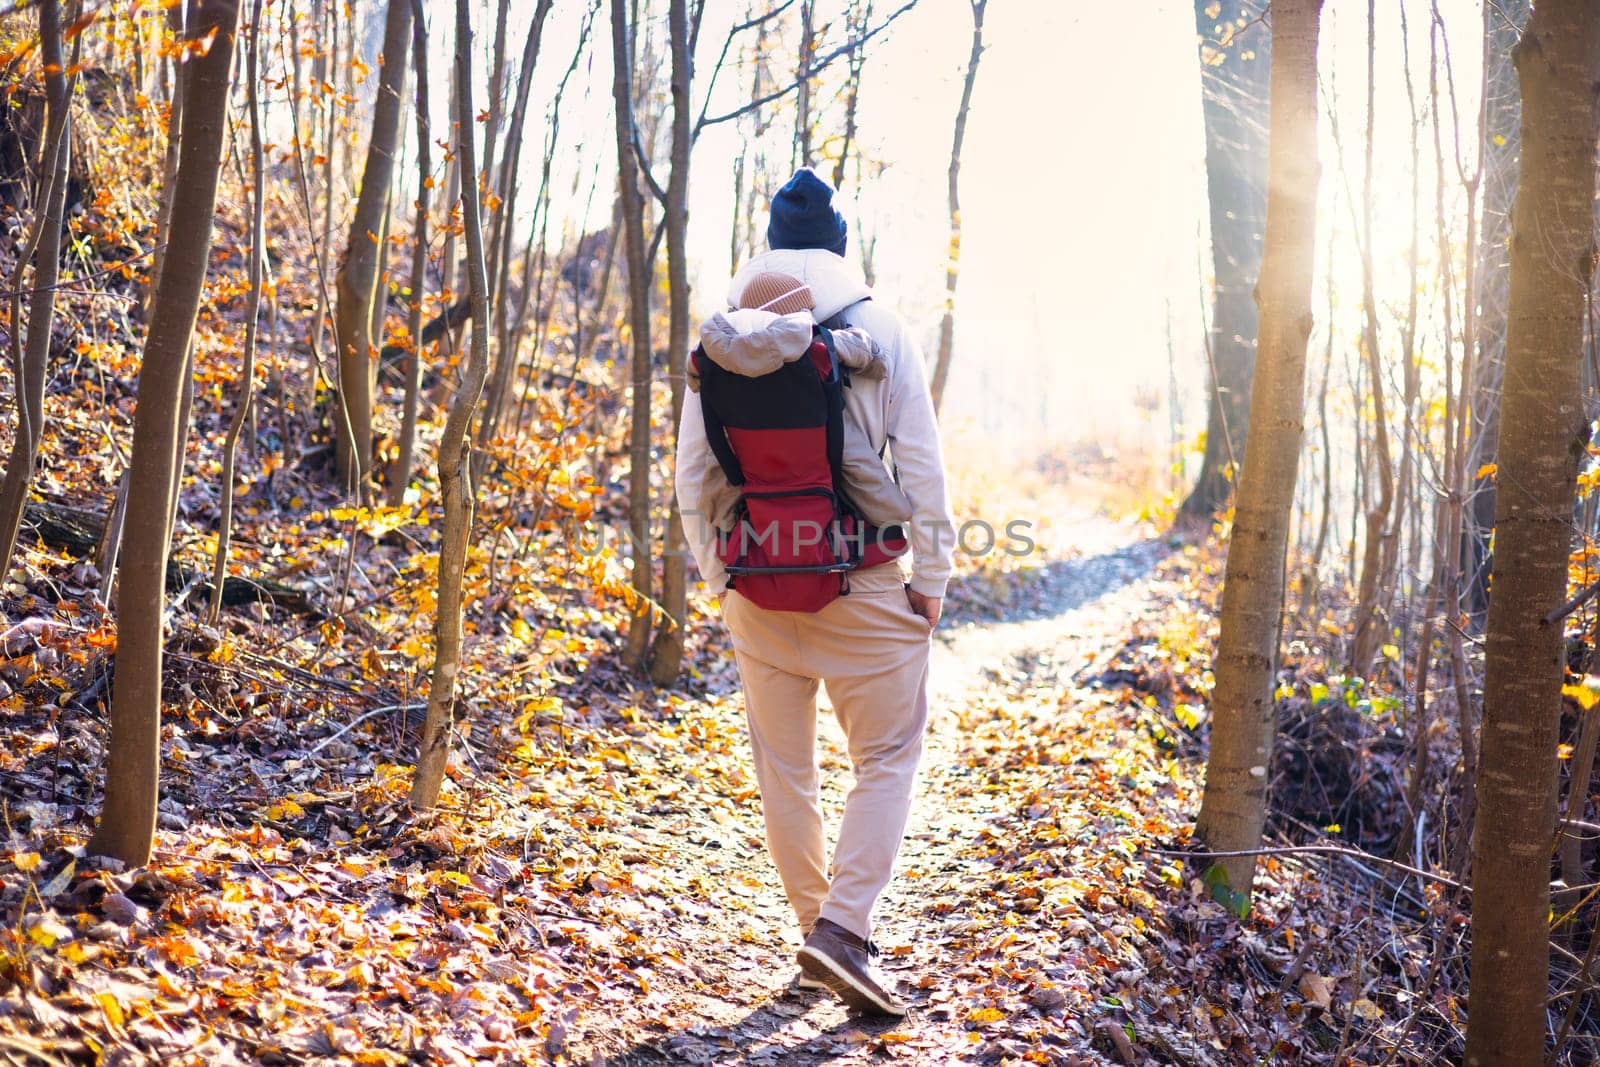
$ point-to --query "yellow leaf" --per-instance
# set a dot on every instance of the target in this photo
(48, 930)
(1587, 694)
(113, 1010)
(284, 809)
(983, 1016)
(1488, 470)
(1391, 652)
(26, 861)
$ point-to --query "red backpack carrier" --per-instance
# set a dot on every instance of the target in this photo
(779, 438)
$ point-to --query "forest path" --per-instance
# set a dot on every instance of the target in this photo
(940, 916)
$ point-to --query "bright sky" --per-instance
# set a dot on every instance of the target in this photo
(1083, 189)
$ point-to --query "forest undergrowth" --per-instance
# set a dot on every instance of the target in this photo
(593, 887)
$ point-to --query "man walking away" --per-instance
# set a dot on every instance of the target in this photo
(869, 647)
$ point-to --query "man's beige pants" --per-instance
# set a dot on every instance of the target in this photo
(871, 650)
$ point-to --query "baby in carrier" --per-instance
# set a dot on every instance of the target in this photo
(774, 325)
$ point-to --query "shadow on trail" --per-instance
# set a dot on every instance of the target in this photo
(762, 1038)
(1054, 589)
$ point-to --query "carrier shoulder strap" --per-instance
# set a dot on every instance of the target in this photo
(716, 434)
(837, 321)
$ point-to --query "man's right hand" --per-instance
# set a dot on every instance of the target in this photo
(929, 607)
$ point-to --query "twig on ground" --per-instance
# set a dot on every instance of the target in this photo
(357, 721)
(1326, 850)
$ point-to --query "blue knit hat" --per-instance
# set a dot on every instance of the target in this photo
(803, 215)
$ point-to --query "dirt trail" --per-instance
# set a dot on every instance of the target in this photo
(732, 1004)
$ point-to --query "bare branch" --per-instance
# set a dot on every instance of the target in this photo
(815, 69)
(748, 24)
(644, 166)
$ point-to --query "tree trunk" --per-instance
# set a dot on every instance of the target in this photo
(128, 814)
(803, 121)
(666, 656)
(1233, 812)
(1233, 76)
(247, 371)
(455, 453)
(357, 282)
(1542, 437)
(857, 19)
(499, 247)
(952, 266)
(400, 476)
(1502, 145)
(169, 165)
(639, 327)
(1371, 611)
(44, 248)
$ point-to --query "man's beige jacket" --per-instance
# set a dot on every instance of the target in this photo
(895, 411)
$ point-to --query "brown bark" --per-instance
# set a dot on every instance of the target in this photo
(169, 165)
(1233, 812)
(666, 656)
(1502, 146)
(1542, 437)
(30, 362)
(952, 266)
(803, 121)
(357, 281)
(857, 19)
(128, 814)
(499, 249)
(632, 202)
(400, 475)
(1233, 76)
(1380, 535)
(247, 372)
(455, 453)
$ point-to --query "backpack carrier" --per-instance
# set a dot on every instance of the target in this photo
(779, 438)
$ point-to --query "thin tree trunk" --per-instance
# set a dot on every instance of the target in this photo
(400, 476)
(1369, 612)
(639, 327)
(1542, 436)
(857, 21)
(1233, 75)
(329, 58)
(803, 121)
(455, 452)
(357, 281)
(500, 238)
(1233, 812)
(30, 363)
(169, 164)
(952, 266)
(666, 657)
(1580, 772)
(247, 372)
(448, 280)
(1502, 145)
(128, 814)
(495, 111)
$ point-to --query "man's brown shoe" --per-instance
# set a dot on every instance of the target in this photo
(843, 962)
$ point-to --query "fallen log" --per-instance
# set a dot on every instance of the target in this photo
(78, 531)
(451, 318)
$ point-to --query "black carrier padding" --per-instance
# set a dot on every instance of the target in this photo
(833, 398)
(716, 437)
(790, 398)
